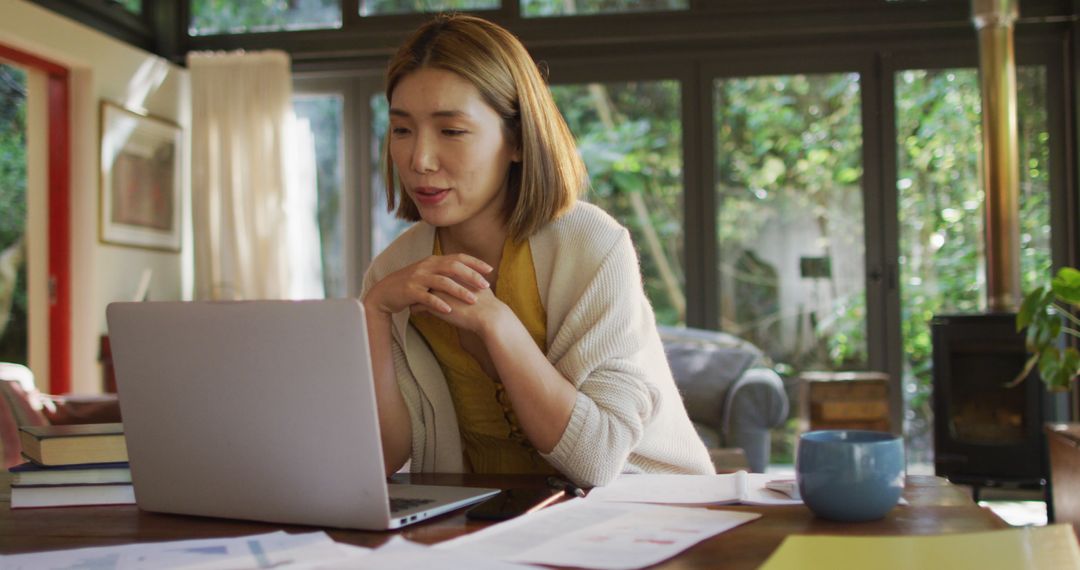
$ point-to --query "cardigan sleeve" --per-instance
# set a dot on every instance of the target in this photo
(602, 348)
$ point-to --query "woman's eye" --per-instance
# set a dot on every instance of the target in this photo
(453, 132)
(398, 131)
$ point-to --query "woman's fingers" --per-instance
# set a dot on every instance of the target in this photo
(444, 284)
(469, 273)
(433, 301)
(456, 276)
(473, 262)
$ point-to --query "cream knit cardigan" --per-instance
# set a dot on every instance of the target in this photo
(601, 336)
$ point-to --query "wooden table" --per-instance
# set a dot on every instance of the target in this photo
(935, 508)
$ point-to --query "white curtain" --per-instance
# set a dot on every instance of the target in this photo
(253, 181)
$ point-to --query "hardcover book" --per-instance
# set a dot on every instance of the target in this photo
(31, 473)
(73, 444)
(25, 497)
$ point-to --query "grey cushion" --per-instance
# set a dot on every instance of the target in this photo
(730, 393)
(703, 374)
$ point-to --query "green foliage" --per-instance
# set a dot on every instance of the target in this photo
(789, 168)
(1046, 314)
(235, 16)
(565, 8)
(940, 215)
(630, 137)
(13, 204)
(378, 7)
(940, 208)
(133, 6)
(12, 154)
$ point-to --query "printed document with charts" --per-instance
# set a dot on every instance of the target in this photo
(734, 488)
(278, 550)
(598, 534)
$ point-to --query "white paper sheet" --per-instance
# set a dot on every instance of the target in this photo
(598, 534)
(257, 551)
(739, 487)
(401, 554)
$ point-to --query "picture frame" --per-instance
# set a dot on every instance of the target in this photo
(141, 179)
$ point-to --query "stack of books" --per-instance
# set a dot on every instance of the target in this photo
(72, 465)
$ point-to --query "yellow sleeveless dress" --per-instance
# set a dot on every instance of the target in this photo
(492, 440)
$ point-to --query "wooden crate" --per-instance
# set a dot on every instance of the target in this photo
(1063, 443)
(845, 400)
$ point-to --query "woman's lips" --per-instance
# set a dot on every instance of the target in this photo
(429, 196)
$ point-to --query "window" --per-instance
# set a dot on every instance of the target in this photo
(939, 145)
(13, 294)
(385, 226)
(815, 238)
(324, 116)
(384, 7)
(238, 16)
(790, 217)
(789, 223)
(540, 8)
(630, 136)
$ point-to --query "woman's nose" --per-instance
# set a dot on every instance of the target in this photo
(423, 156)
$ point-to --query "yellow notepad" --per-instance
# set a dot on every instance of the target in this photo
(1032, 548)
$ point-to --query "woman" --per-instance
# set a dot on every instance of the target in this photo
(509, 328)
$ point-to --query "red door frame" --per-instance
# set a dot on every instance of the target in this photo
(59, 160)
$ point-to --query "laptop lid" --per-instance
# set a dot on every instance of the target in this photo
(260, 410)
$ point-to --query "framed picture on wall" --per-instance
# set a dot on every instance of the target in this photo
(140, 179)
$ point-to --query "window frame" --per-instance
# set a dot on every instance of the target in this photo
(1030, 50)
(566, 71)
(355, 89)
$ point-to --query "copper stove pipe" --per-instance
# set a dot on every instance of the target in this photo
(994, 21)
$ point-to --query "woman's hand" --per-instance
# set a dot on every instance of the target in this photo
(433, 283)
(428, 284)
(481, 315)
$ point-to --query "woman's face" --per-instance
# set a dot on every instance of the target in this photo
(449, 149)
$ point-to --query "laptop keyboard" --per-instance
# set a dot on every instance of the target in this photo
(398, 504)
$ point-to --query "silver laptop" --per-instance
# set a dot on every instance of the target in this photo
(261, 410)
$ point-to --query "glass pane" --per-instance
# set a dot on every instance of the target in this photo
(790, 222)
(243, 16)
(938, 114)
(1035, 255)
(13, 301)
(384, 225)
(540, 8)
(133, 6)
(324, 114)
(383, 7)
(630, 135)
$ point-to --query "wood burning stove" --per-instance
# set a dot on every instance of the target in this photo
(985, 433)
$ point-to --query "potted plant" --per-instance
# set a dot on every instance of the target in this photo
(1046, 314)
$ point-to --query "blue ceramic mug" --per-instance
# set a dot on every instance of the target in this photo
(850, 475)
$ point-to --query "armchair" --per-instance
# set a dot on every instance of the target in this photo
(21, 404)
(733, 399)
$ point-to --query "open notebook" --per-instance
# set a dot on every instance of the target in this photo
(733, 488)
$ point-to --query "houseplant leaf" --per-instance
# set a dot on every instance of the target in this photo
(1070, 366)
(1032, 303)
(1049, 365)
(1067, 285)
(1046, 314)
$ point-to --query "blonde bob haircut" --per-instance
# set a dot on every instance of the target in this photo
(551, 175)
